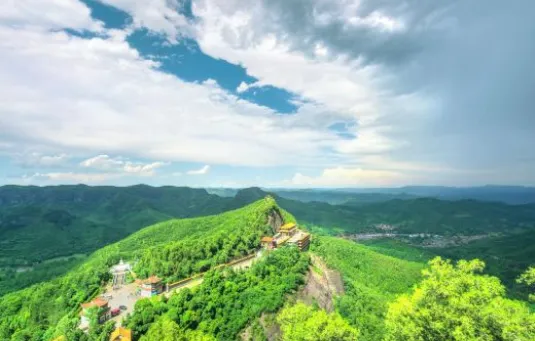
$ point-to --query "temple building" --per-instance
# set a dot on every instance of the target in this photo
(119, 273)
(288, 229)
(151, 286)
(103, 311)
(301, 240)
(268, 243)
(121, 334)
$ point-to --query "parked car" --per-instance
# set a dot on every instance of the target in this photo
(123, 307)
(115, 311)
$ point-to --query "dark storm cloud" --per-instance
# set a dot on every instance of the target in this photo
(475, 59)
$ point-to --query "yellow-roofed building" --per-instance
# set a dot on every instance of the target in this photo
(288, 229)
(121, 334)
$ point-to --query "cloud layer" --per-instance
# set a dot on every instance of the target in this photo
(419, 91)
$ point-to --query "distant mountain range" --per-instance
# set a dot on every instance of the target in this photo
(514, 195)
(39, 223)
(43, 224)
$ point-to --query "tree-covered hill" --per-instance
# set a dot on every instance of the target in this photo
(39, 223)
(372, 280)
(420, 215)
(173, 249)
(45, 231)
(506, 257)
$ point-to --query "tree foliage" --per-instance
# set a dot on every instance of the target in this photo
(304, 323)
(227, 301)
(371, 281)
(166, 329)
(528, 278)
(204, 242)
(455, 303)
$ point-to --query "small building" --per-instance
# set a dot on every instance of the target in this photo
(151, 286)
(288, 229)
(268, 243)
(121, 334)
(301, 240)
(103, 311)
(119, 272)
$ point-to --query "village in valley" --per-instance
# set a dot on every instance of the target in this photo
(121, 294)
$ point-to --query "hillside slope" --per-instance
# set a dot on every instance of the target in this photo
(39, 223)
(372, 280)
(194, 244)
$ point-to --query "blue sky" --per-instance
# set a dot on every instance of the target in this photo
(271, 93)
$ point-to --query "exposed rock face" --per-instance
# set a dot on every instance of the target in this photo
(322, 285)
(275, 220)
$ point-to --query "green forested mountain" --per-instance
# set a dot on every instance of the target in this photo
(39, 223)
(191, 245)
(45, 231)
(514, 195)
(420, 215)
(228, 302)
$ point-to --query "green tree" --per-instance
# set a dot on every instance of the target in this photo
(528, 278)
(304, 323)
(455, 303)
(165, 329)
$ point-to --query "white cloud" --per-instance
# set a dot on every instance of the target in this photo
(342, 177)
(143, 169)
(113, 100)
(51, 14)
(35, 159)
(161, 16)
(337, 88)
(242, 87)
(68, 177)
(202, 171)
(104, 162)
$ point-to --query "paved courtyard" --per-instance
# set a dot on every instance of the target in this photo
(125, 295)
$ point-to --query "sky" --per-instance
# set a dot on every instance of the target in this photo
(273, 93)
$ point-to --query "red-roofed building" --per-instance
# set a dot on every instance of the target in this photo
(268, 243)
(151, 286)
(103, 311)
